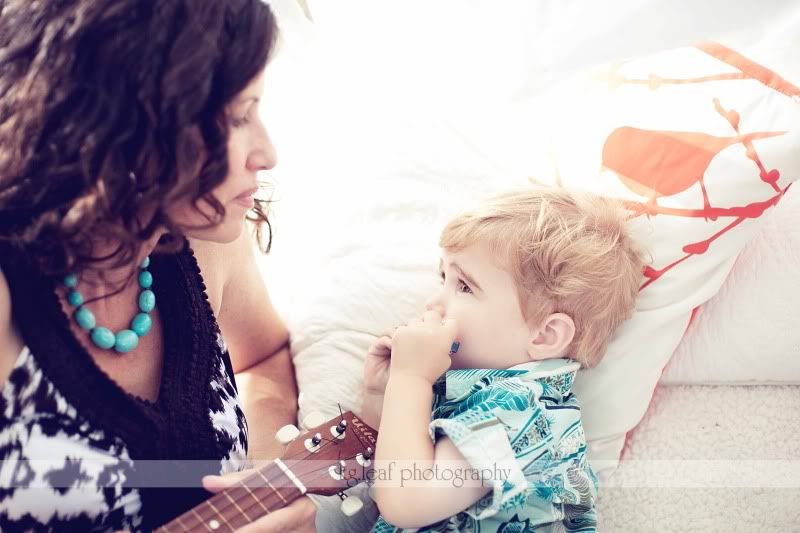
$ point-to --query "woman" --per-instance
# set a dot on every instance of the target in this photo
(129, 293)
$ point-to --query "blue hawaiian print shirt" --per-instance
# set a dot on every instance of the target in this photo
(525, 418)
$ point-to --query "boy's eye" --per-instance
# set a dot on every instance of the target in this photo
(441, 277)
(464, 287)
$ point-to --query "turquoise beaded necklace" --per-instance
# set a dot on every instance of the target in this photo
(127, 339)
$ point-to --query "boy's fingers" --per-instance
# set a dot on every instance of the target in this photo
(431, 316)
(396, 331)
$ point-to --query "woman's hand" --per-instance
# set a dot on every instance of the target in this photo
(297, 517)
(376, 365)
(422, 348)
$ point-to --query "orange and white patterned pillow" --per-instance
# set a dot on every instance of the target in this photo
(701, 142)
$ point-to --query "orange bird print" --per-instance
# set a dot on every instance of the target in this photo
(654, 163)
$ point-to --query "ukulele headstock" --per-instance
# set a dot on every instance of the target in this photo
(327, 459)
(334, 455)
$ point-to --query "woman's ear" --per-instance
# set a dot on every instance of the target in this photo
(552, 337)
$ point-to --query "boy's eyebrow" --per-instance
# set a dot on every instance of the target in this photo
(460, 270)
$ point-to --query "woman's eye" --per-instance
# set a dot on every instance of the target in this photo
(239, 122)
(464, 287)
(441, 278)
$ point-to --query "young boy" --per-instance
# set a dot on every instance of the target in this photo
(534, 283)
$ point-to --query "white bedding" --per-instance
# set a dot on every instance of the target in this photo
(332, 141)
(337, 137)
(709, 458)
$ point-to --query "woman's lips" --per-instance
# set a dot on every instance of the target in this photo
(246, 199)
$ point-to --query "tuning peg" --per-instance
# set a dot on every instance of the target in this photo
(351, 505)
(337, 431)
(313, 444)
(337, 472)
(314, 419)
(364, 458)
(287, 434)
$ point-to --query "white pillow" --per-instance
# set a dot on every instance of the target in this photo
(747, 333)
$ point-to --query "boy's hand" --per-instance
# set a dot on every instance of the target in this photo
(376, 365)
(422, 348)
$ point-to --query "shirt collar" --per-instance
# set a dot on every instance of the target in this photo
(559, 373)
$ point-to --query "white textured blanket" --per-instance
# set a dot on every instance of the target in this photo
(709, 458)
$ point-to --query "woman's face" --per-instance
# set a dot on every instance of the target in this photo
(249, 150)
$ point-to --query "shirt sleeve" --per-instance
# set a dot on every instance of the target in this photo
(479, 428)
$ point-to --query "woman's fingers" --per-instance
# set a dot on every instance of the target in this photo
(297, 517)
(385, 340)
(385, 343)
(218, 483)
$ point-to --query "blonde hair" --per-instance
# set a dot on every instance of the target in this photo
(568, 252)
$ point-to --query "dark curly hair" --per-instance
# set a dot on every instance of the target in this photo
(113, 110)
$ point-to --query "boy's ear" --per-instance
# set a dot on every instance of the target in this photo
(552, 337)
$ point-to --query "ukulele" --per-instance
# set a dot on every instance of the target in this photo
(330, 457)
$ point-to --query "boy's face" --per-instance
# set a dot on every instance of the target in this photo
(482, 297)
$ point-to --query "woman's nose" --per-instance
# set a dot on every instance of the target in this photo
(264, 158)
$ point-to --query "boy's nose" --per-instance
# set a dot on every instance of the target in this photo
(435, 304)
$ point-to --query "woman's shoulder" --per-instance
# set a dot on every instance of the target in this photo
(10, 340)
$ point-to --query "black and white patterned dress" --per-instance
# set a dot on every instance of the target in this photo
(77, 452)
